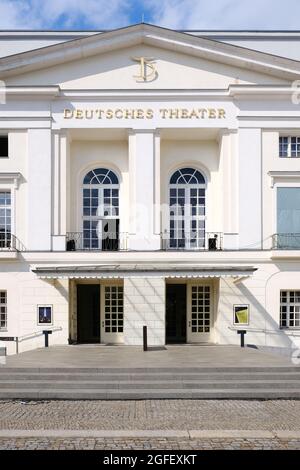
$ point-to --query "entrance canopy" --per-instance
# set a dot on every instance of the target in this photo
(138, 270)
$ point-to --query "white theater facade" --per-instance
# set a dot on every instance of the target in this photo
(149, 177)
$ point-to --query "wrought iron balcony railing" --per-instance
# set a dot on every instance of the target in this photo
(210, 241)
(286, 241)
(111, 241)
(9, 242)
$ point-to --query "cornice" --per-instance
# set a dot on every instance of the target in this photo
(206, 48)
(10, 178)
(238, 92)
(262, 90)
(283, 175)
(29, 91)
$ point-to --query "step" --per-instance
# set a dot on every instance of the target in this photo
(125, 385)
(100, 377)
(152, 370)
(142, 394)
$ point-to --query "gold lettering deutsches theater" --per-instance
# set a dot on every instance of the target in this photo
(200, 113)
(148, 113)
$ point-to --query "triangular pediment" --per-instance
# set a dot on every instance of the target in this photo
(109, 61)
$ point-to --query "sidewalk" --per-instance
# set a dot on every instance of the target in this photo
(150, 424)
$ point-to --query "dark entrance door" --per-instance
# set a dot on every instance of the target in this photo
(88, 313)
(176, 313)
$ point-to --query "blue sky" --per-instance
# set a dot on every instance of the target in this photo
(177, 14)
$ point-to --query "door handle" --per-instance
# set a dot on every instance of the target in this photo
(103, 324)
(189, 324)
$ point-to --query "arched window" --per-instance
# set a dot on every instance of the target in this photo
(101, 176)
(100, 209)
(187, 209)
(187, 176)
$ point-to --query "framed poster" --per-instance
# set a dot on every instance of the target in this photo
(45, 316)
(241, 314)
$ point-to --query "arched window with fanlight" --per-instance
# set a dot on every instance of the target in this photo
(187, 209)
(101, 210)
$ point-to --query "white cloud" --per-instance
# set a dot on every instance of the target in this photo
(63, 14)
(10, 14)
(177, 14)
(225, 14)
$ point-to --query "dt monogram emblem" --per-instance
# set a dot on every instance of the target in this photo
(148, 71)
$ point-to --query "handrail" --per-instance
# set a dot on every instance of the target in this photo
(9, 242)
(110, 241)
(286, 241)
(194, 240)
(265, 330)
(34, 334)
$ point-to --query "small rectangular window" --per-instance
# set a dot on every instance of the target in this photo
(289, 147)
(3, 146)
(290, 309)
(3, 310)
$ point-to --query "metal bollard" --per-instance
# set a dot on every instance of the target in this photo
(145, 342)
(242, 333)
(3, 352)
(47, 333)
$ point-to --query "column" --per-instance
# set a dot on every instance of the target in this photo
(229, 189)
(39, 190)
(56, 188)
(64, 183)
(157, 208)
(250, 189)
(144, 177)
(60, 190)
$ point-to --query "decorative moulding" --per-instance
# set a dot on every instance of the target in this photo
(12, 178)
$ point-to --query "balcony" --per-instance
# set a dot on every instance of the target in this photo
(9, 242)
(286, 241)
(206, 241)
(110, 241)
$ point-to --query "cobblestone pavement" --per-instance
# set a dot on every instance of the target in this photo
(151, 414)
(148, 444)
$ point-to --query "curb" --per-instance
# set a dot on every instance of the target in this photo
(187, 434)
(234, 434)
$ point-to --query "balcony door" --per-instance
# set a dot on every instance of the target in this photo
(288, 218)
(200, 313)
(112, 313)
(5, 219)
(187, 209)
(101, 210)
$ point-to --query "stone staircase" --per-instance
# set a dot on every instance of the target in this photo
(150, 383)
